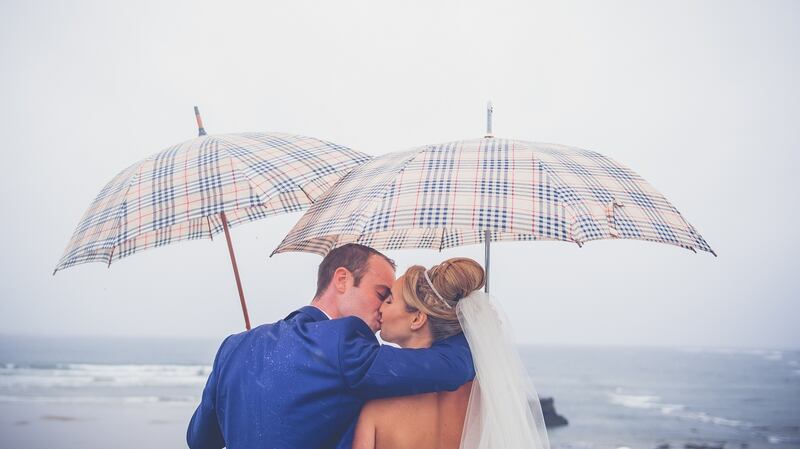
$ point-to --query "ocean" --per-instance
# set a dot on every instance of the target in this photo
(135, 393)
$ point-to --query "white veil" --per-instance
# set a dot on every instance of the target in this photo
(504, 410)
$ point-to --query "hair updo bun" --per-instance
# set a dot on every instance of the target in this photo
(457, 277)
(453, 279)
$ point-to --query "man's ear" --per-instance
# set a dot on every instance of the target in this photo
(340, 279)
(419, 320)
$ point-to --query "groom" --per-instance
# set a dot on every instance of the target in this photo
(301, 382)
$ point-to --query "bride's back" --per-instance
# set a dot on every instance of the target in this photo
(432, 420)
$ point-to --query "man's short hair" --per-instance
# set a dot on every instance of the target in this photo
(351, 256)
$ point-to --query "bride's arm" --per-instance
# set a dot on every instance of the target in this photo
(364, 436)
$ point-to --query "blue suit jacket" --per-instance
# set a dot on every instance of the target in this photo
(301, 382)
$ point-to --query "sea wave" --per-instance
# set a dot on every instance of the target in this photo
(650, 402)
(772, 355)
(177, 400)
(768, 354)
(782, 439)
(74, 375)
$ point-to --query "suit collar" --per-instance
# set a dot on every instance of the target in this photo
(315, 313)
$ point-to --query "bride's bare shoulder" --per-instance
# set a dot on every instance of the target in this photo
(397, 405)
(416, 404)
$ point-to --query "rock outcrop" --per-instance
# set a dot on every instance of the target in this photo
(551, 418)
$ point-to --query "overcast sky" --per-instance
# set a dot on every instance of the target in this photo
(700, 98)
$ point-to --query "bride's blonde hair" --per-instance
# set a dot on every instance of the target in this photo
(453, 279)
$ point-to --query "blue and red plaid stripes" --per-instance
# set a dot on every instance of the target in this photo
(178, 194)
(446, 195)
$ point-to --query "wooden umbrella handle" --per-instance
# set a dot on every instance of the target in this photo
(235, 270)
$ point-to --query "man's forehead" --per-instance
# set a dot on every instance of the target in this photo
(375, 261)
(378, 266)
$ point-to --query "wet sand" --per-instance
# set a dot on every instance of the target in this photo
(90, 426)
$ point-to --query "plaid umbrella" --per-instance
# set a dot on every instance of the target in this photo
(460, 193)
(197, 188)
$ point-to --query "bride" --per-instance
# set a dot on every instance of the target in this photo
(498, 410)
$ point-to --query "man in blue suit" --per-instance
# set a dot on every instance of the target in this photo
(301, 382)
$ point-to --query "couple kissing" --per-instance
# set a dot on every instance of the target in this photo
(320, 378)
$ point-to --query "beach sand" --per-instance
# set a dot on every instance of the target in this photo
(89, 426)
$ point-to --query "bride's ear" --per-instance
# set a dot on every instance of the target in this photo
(419, 320)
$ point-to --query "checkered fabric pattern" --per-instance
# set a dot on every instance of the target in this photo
(179, 193)
(446, 195)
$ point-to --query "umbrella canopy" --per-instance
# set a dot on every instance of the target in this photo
(196, 188)
(455, 193)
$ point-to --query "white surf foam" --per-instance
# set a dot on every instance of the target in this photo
(769, 354)
(14, 376)
(177, 400)
(651, 402)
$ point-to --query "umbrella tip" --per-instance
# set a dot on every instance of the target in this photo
(200, 130)
(489, 110)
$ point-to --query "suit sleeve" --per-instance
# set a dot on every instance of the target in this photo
(204, 431)
(375, 371)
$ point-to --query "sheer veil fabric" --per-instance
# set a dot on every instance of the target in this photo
(504, 410)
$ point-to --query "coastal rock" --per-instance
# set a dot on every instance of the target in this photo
(551, 418)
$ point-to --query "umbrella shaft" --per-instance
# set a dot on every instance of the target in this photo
(489, 110)
(235, 270)
(487, 240)
(200, 130)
